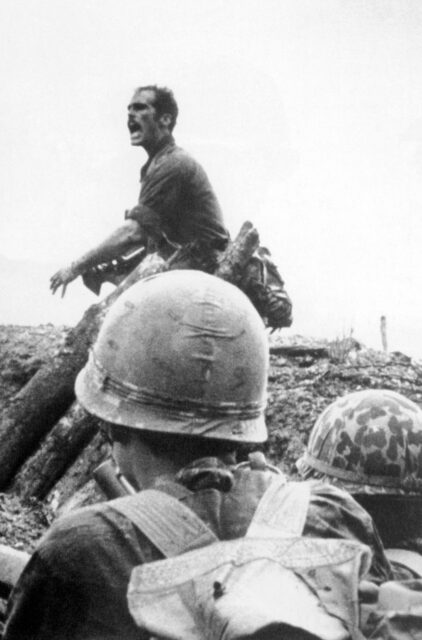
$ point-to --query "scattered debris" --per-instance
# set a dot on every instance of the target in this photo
(23, 350)
(22, 523)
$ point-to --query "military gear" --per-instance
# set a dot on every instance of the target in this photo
(190, 256)
(111, 480)
(257, 586)
(264, 285)
(261, 280)
(114, 271)
(182, 352)
(368, 442)
(59, 572)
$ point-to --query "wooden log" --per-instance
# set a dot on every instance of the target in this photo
(12, 563)
(237, 255)
(63, 496)
(64, 444)
(66, 440)
(50, 392)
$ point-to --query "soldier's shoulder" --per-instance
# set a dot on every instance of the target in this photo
(330, 491)
(337, 498)
(172, 161)
(178, 156)
(75, 525)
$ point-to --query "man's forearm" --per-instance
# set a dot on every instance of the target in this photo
(127, 236)
(122, 239)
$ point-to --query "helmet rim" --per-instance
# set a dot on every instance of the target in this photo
(180, 352)
(123, 411)
(354, 483)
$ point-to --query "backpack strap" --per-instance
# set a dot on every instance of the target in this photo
(282, 510)
(409, 559)
(170, 525)
(174, 528)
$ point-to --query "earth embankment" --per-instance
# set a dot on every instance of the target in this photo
(305, 376)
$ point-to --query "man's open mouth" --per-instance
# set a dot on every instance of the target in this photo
(133, 127)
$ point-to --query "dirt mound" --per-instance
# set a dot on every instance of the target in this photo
(23, 350)
(305, 376)
(21, 525)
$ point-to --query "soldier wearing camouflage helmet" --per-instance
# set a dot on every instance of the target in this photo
(178, 378)
(370, 443)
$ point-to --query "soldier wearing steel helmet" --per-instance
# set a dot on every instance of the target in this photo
(178, 377)
(370, 443)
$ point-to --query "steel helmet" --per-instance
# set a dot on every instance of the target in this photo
(369, 442)
(180, 352)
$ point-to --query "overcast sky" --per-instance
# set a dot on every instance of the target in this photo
(306, 114)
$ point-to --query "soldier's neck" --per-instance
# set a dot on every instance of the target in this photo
(159, 144)
(149, 467)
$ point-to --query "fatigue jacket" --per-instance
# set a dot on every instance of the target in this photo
(75, 584)
(177, 200)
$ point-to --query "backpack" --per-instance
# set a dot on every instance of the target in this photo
(273, 583)
(264, 286)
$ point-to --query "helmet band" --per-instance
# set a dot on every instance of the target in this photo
(185, 407)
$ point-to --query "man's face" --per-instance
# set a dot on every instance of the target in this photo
(144, 127)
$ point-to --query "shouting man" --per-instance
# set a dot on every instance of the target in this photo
(177, 205)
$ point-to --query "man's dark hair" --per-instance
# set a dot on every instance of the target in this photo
(170, 444)
(164, 102)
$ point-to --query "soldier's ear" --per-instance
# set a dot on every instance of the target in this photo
(166, 119)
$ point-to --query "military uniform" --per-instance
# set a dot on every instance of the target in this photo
(370, 443)
(75, 585)
(178, 201)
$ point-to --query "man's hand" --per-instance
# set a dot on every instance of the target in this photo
(127, 236)
(62, 278)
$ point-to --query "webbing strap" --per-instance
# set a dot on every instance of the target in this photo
(282, 510)
(410, 559)
(171, 526)
(174, 528)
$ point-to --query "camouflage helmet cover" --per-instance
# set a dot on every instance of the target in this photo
(368, 442)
